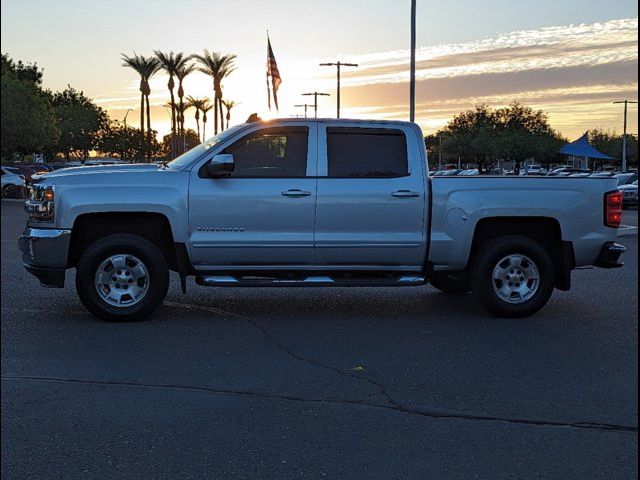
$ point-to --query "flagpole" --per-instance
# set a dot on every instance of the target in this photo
(268, 88)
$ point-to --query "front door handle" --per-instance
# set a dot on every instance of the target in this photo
(295, 193)
(405, 194)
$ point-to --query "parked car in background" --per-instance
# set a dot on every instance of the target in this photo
(28, 170)
(533, 170)
(471, 171)
(626, 178)
(629, 194)
(12, 181)
(448, 173)
(566, 171)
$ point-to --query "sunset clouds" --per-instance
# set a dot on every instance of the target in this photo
(573, 72)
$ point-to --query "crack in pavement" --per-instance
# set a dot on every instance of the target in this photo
(294, 398)
(383, 390)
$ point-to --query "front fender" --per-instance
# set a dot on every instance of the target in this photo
(170, 200)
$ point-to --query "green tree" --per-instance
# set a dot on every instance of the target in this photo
(27, 121)
(524, 133)
(228, 104)
(610, 143)
(217, 66)
(206, 108)
(171, 63)
(21, 71)
(197, 104)
(181, 74)
(80, 122)
(515, 132)
(471, 135)
(190, 139)
(146, 67)
(122, 141)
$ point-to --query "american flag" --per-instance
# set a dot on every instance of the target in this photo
(274, 73)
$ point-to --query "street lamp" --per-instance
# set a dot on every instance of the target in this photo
(305, 108)
(125, 117)
(624, 135)
(338, 64)
(315, 101)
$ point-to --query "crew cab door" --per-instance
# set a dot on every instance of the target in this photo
(371, 206)
(262, 214)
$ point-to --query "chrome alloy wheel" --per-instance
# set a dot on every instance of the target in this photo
(515, 279)
(122, 280)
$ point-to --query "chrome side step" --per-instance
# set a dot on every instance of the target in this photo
(309, 281)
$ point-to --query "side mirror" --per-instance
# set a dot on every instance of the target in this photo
(220, 165)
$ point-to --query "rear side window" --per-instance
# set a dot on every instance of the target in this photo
(272, 152)
(366, 153)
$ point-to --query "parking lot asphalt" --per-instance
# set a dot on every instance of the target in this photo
(319, 383)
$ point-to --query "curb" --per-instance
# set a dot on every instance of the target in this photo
(14, 200)
(627, 230)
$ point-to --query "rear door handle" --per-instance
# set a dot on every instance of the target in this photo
(405, 194)
(295, 193)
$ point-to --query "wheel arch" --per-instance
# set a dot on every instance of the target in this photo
(544, 230)
(155, 227)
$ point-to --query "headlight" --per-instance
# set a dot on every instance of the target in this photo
(41, 203)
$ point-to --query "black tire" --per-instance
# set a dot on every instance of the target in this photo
(147, 252)
(453, 284)
(488, 257)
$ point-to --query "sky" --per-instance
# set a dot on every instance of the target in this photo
(570, 58)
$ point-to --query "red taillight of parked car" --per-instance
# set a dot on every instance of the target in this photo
(613, 209)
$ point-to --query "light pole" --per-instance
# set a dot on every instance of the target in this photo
(305, 105)
(412, 78)
(315, 101)
(125, 117)
(624, 135)
(338, 64)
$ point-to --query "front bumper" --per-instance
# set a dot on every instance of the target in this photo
(610, 255)
(44, 254)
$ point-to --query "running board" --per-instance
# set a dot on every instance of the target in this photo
(309, 281)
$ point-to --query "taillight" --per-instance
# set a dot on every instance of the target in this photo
(613, 209)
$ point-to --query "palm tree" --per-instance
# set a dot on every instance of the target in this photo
(217, 66)
(170, 63)
(229, 104)
(181, 74)
(146, 67)
(178, 138)
(197, 104)
(206, 107)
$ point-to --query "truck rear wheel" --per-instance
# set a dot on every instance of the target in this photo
(122, 278)
(454, 284)
(512, 276)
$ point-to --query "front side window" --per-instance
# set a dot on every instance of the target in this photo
(366, 152)
(273, 152)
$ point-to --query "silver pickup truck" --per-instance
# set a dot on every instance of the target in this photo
(314, 203)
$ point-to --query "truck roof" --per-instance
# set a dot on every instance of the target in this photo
(337, 121)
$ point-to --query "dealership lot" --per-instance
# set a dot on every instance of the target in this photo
(319, 383)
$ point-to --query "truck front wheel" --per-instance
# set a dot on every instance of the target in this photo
(512, 276)
(122, 278)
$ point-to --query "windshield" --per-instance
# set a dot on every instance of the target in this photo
(195, 152)
(625, 178)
